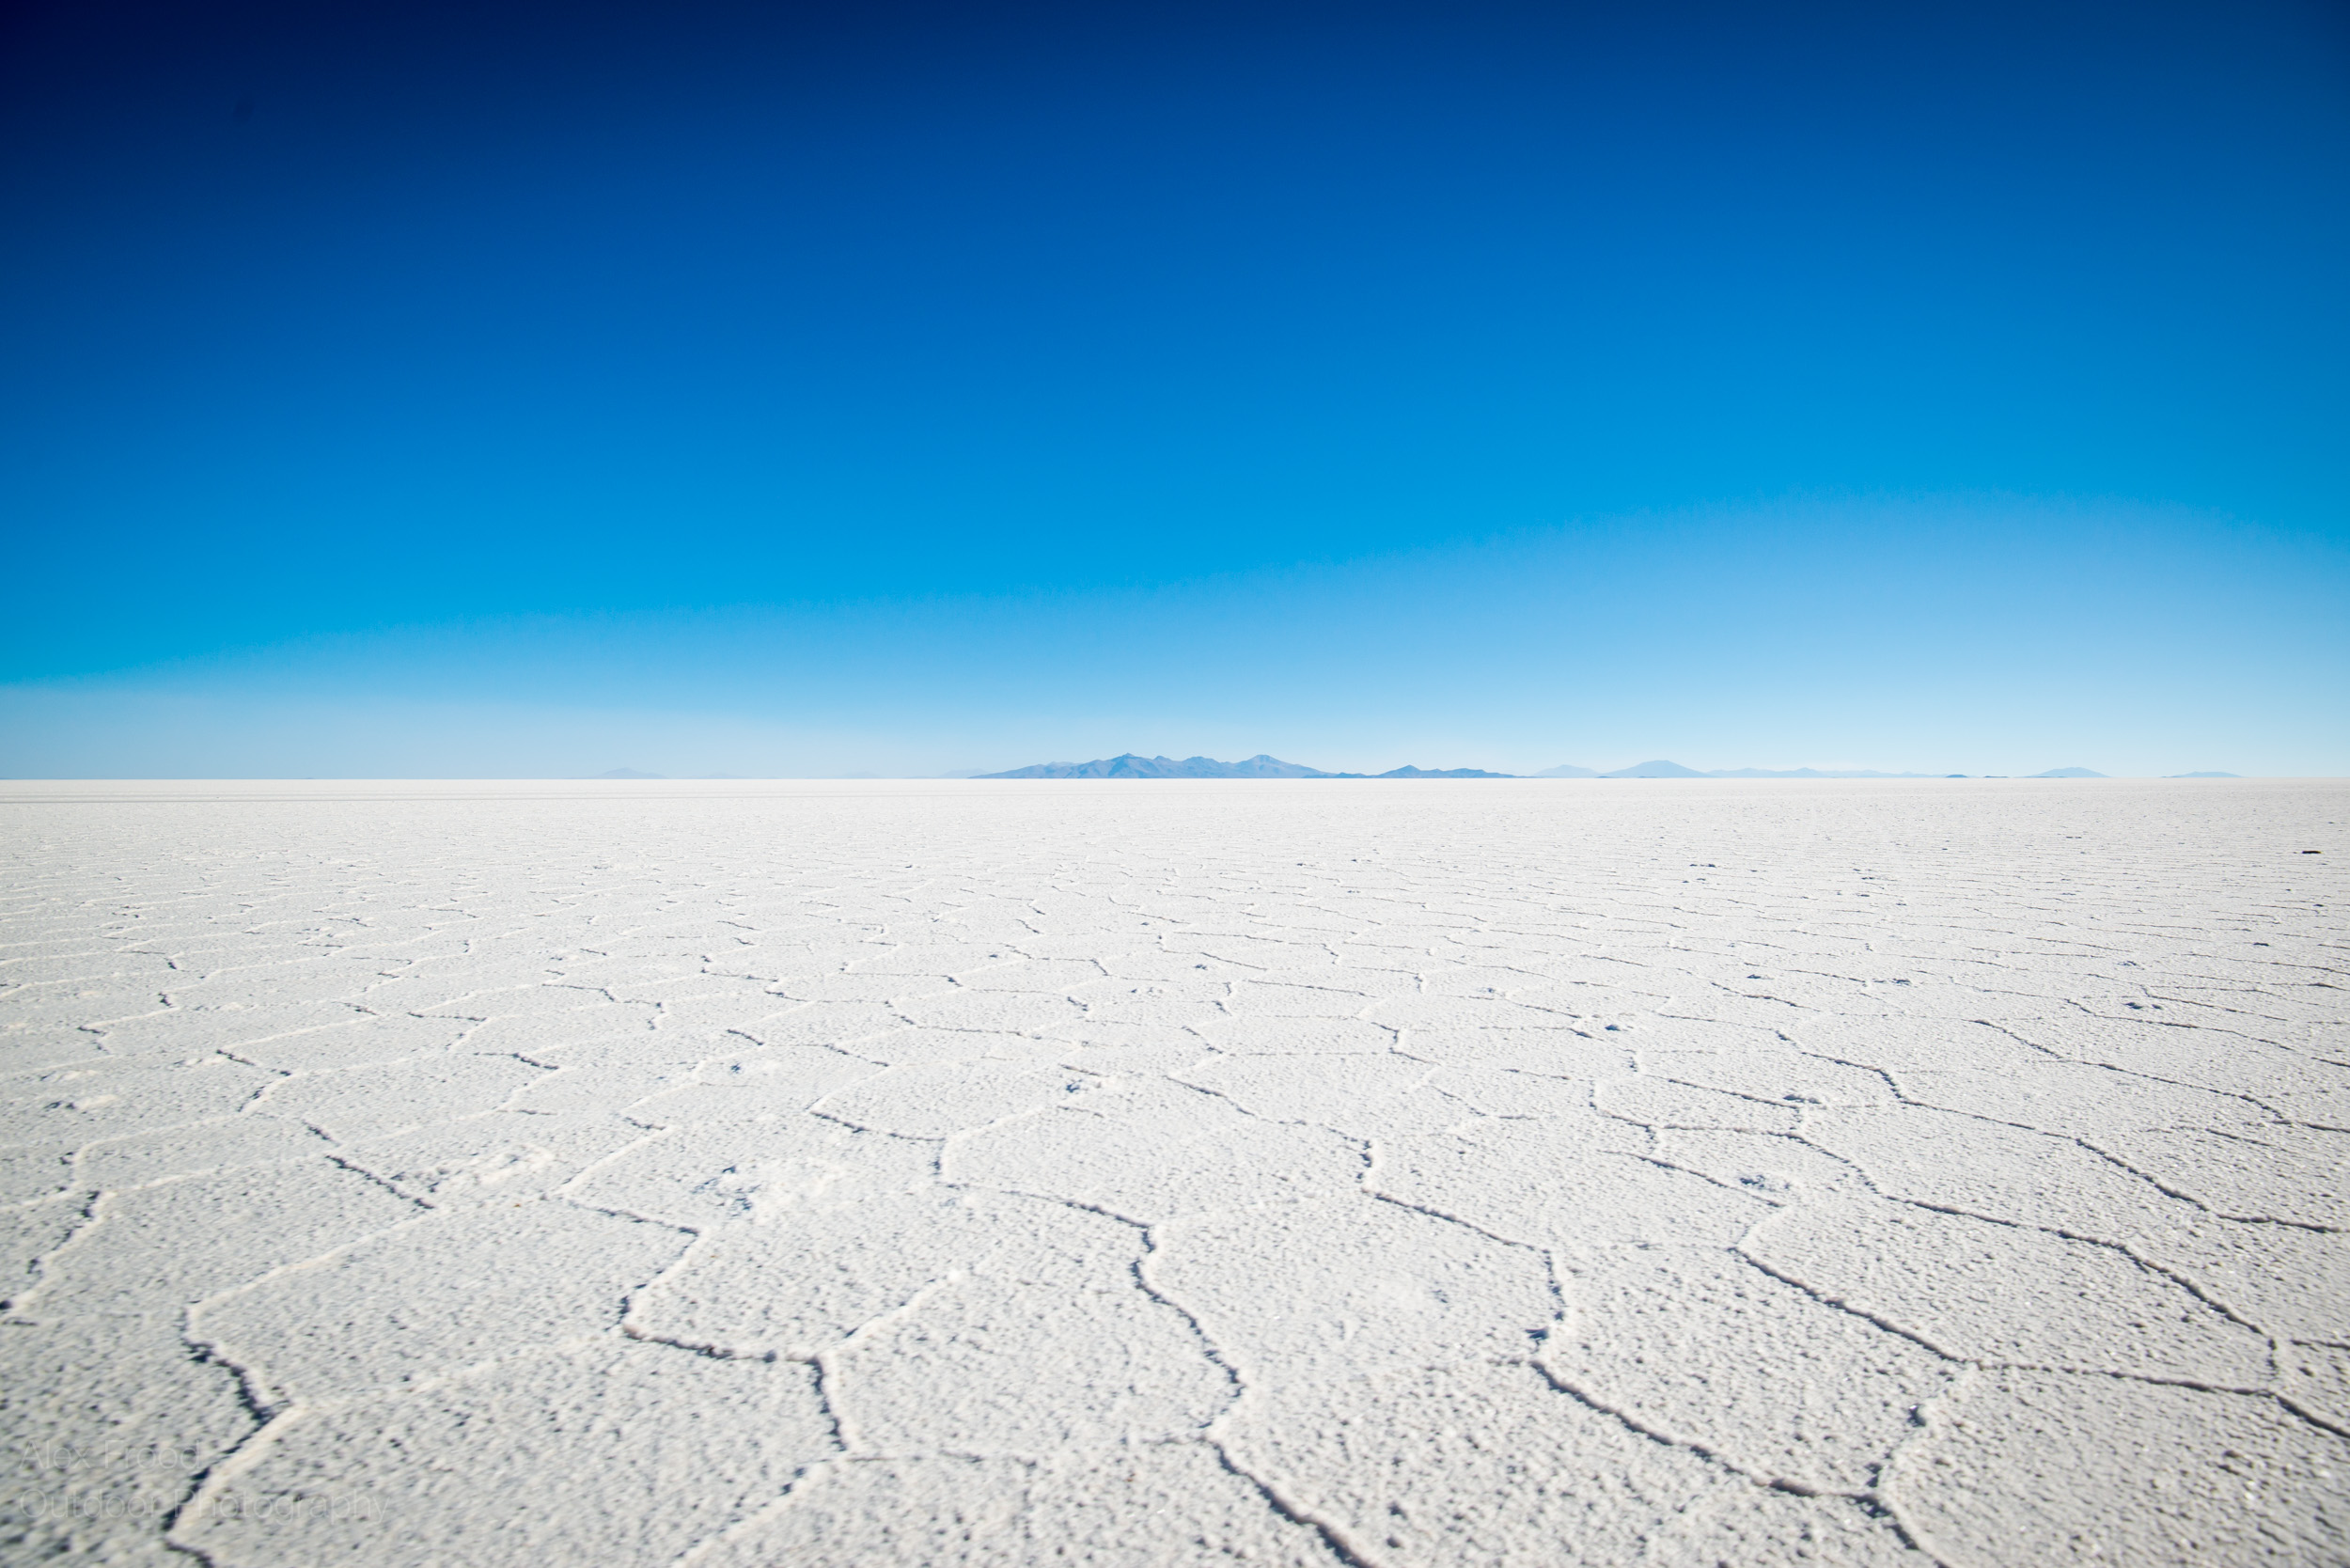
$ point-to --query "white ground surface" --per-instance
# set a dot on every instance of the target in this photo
(1532, 1173)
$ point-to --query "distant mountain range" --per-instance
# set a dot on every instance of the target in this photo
(1260, 766)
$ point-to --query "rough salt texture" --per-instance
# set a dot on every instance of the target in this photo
(1289, 1173)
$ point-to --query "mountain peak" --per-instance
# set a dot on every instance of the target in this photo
(1262, 765)
(1440, 773)
(1657, 769)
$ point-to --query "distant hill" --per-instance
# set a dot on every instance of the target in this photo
(1659, 769)
(1260, 766)
(1432, 773)
(627, 773)
(2204, 776)
(1129, 765)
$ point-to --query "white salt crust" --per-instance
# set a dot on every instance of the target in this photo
(1537, 1173)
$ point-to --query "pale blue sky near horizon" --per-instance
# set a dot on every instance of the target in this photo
(2127, 639)
(530, 389)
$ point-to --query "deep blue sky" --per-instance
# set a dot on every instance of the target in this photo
(872, 387)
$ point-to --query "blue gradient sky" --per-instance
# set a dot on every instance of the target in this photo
(536, 390)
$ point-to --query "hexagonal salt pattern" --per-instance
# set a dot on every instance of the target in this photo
(1329, 1173)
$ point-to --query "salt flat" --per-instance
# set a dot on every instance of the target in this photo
(1495, 1172)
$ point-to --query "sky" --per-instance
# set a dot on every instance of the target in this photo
(528, 390)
